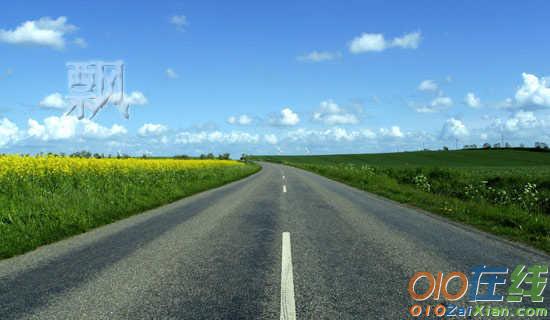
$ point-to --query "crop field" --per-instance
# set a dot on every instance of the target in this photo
(505, 192)
(47, 198)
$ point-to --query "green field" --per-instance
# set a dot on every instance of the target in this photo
(45, 199)
(505, 192)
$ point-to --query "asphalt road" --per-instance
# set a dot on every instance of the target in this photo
(218, 255)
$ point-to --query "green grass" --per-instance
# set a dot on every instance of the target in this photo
(46, 205)
(505, 192)
(459, 159)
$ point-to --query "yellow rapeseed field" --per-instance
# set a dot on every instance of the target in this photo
(46, 198)
(43, 165)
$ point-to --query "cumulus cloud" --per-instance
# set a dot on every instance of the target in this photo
(375, 42)
(407, 41)
(152, 129)
(454, 129)
(43, 32)
(437, 104)
(201, 137)
(368, 42)
(92, 129)
(392, 132)
(287, 117)
(54, 100)
(472, 101)
(331, 114)
(243, 120)
(9, 132)
(68, 127)
(318, 56)
(534, 92)
(521, 120)
(335, 134)
(271, 138)
(135, 98)
(170, 73)
(180, 21)
(442, 102)
(428, 85)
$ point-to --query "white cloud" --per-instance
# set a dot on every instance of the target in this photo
(180, 21)
(81, 42)
(135, 98)
(335, 134)
(454, 129)
(170, 73)
(368, 42)
(271, 138)
(54, 128)
(240, 120)
(332, 114)
(318, 56)
(437, 104)
(408, 41)
(472, 101)
(9, 132)
(68, 127)
(369, 134)
(520, 121)
(152, 129)
(234, 137)
(43, 32)
(428, 85)
(92, 129)
(393, 132)
(287, 118)
(442, 102)
(375, 42)
(54, 100)
(534, 92)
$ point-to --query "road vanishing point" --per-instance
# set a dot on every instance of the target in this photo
(281, 244)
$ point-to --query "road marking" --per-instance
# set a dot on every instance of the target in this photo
(288, 306)
(283, 177)
(284, 188)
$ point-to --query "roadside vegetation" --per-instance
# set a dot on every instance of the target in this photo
(505, 192)
(47, 198)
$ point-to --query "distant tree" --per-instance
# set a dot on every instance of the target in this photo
(541, 145)
(81, 154)
(496, 145)
(445, 148)
(243, 157)
(224, 156)
(507, 145)
(522, 145)
(486, 145)
(210, 156)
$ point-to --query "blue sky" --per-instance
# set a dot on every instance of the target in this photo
(279, 77)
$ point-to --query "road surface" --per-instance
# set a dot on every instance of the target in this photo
(219, 255)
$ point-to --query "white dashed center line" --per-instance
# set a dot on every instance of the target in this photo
(284, 188)
(288, 307)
